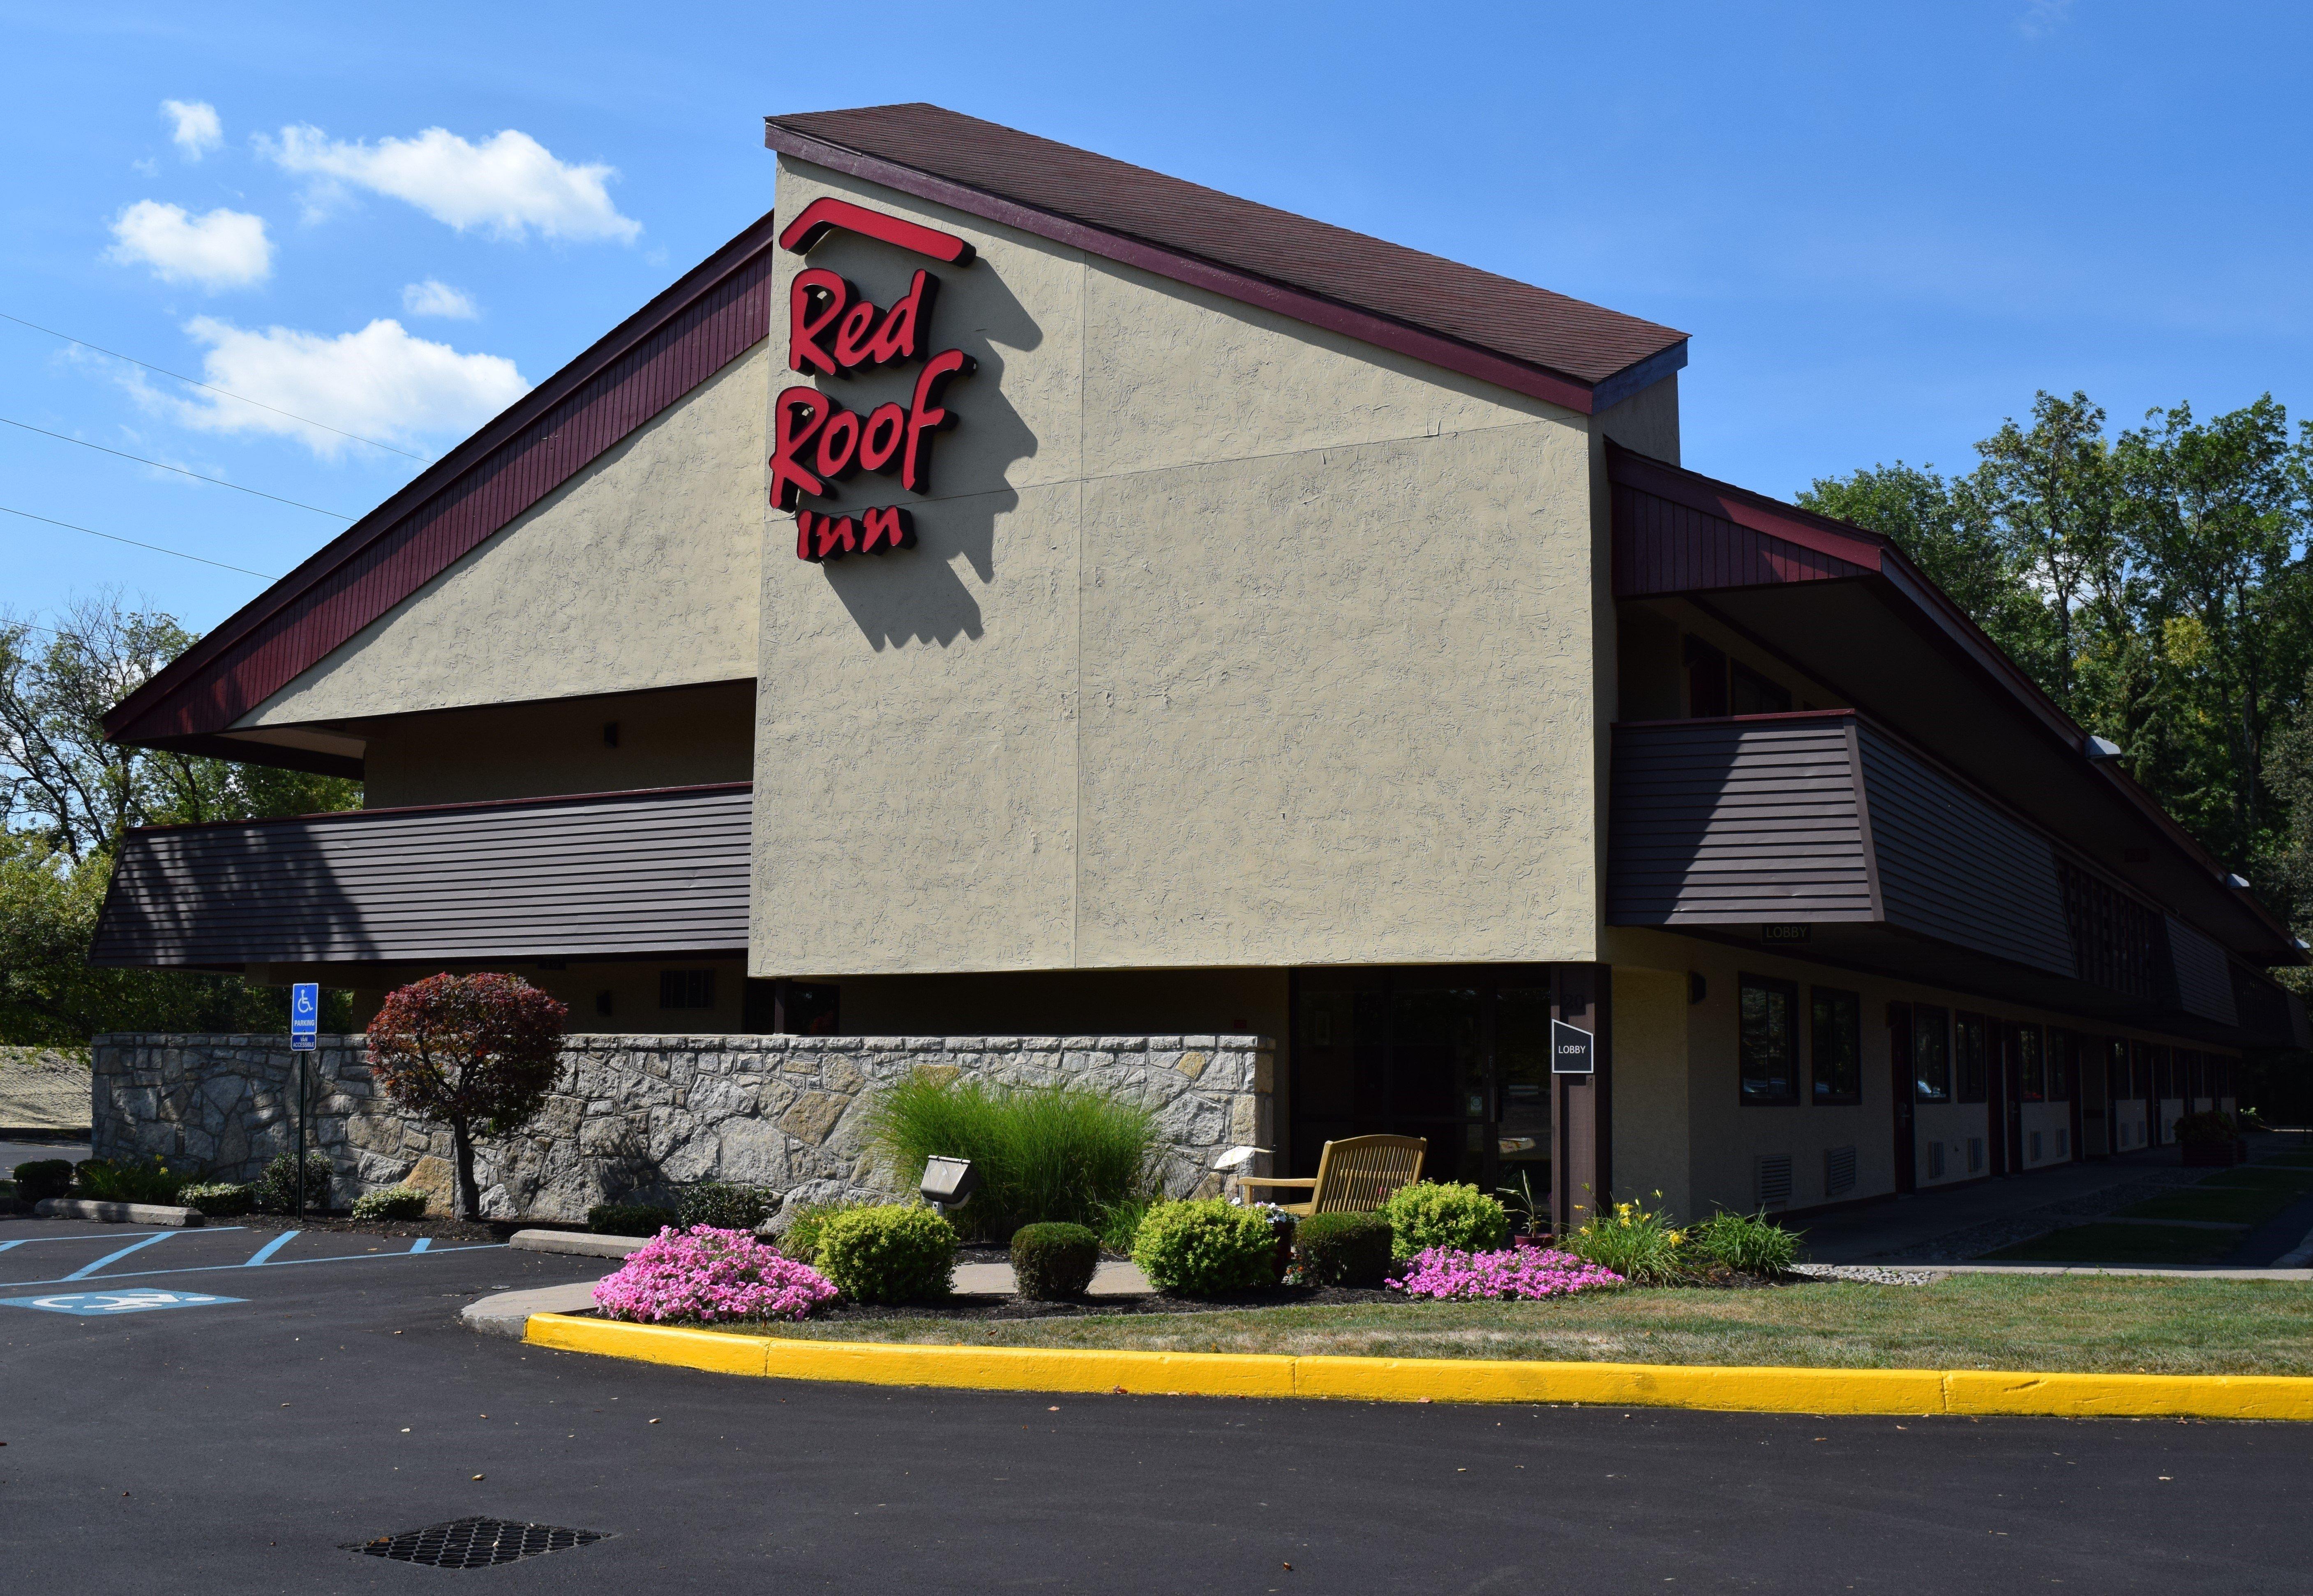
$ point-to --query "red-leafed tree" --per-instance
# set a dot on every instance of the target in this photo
(476, 1053)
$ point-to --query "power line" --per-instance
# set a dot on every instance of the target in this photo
(212, 388)
(196, 476)
(155, 547)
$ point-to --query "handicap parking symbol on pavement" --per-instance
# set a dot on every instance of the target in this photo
(91, 1304)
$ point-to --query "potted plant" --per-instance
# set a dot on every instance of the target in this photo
(2211, 1138)
(1529, 1211)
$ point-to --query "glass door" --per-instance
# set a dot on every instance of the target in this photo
(1456, 1056)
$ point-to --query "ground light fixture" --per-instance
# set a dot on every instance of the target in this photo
(948, 1181)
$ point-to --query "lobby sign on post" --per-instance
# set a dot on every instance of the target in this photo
(304, 1033)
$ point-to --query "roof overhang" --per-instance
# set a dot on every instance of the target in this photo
(1846, 608)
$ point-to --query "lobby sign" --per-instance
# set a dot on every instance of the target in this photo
(1572, 1051)
(833, 331)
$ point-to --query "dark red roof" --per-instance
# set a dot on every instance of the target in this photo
(1015, 178)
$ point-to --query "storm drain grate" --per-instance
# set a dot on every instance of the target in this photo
(475, 1543)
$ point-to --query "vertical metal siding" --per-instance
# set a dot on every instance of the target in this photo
(706, 337)
(627, 872)
(1723, 823)
(1662, 546)
(1953, 867)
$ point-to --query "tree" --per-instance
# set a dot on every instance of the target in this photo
(1947, 531)
(476, 1053)
(66, 796)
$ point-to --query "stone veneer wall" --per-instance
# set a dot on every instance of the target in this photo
(638, 1116)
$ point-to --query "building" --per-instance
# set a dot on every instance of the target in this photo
(1006, 591)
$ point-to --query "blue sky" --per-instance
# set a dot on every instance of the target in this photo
(1885, 226)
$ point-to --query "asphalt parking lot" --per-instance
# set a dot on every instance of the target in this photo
(242, 1445)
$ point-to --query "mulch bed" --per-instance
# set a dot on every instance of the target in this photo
(972, 1306)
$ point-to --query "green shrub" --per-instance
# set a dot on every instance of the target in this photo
(1349, 1249)
(800, 1240)
(219, 1199)
(897, 1253)
(42, 1177)
(1640, 1244)
(627, 1219)
(147, 1181)
(724, 1206)
(1120, 1222)
(2209, 1126)
(1058, 1153)
(277, 1187)
(1750, 1242)
(1205, 1248)
(393, 1202)
(1053, 1262)
(1434, 1213)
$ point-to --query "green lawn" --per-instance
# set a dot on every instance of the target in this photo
(2130, 1324)
(2222, 1205)
(2298, 1181)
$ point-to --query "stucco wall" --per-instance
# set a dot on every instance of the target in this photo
(1651, 1112)
(676, 737)
(640, 572)
(1726, 1137)
(1227, 643)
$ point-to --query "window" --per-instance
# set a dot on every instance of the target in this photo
(2188, 1066)
(2139, 1070)
(1976, 1155)
(2065, 1051)
(1974, 1033)
(1706, 679)
(1769, 1041)
(2164, 1076)
(1836, 1035)
(1750, 693)
(686, 989)
(1930, 1055)
(2032, 1064)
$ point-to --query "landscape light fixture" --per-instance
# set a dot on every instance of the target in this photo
(948, 1181)
(1238, 1159)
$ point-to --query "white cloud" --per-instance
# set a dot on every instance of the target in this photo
(381, 383)
(198, 129)
(223, 250)
(434, 297)
(509, 183)
(2043, 17)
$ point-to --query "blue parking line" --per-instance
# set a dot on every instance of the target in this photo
(209, 1229)
(422, 1244)
(349, 1258)
(151, 1240)
(272, 1246)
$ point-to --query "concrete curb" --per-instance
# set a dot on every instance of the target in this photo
(1899, 1392)
(118, 1213)
(579, 1243)
(508, 1312)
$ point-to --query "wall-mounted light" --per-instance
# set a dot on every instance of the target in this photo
(2237, 881)
(2100, 749)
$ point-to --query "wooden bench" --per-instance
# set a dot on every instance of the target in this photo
(1354, 1176)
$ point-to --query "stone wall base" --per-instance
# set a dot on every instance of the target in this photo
(636, 1117)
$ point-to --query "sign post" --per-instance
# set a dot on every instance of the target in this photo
(304, 1032)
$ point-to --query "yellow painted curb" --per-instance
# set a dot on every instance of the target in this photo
(1904, 1392)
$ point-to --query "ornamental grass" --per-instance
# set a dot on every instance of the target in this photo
(702, 1276)
(1520, 1274)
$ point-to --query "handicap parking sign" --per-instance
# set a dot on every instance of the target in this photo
(94, 1304)
(304, 1015)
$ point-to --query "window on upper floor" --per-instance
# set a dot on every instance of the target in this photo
(1750, 693)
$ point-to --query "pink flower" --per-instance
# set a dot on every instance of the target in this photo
(1526, 1274)
(703, 1275)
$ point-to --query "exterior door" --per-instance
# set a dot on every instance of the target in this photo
(1899, 1058)
(1999, 1064)
(1456, 1056)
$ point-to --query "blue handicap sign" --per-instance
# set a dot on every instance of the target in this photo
(304, 1013)
(95, 1304)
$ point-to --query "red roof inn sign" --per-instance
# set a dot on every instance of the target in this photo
(833, 331)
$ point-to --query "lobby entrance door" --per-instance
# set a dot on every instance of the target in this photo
(1459, 1056)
